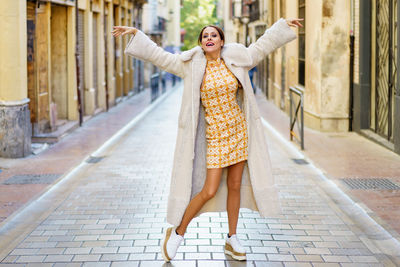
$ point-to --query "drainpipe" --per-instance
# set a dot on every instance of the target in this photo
(77, 63)
(351, 67)
(105, 54)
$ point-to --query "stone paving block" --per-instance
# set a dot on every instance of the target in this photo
(314, 258)
(135, 236)
(38, 239)
(151, 242)
(210, 264)
(335, 258)
(39, 264)
(64, 264)
(197, 255)
(186, 248)
(120, 243)
(279, 257)
(301, 244)
(279, 226)
(324, 251)
(365, 259)
(142, 256)
(125, 264)
(325, 264)
(114, 257)
(103, 250)
(362, 265)
(50, 251)
(351, 251)
(210, 249)
(94, 243)
(267, 264)
(131, 249)
(71, 227)
(219, 256)
(275, 243)
(58, 258)
(117, 226)
(77, 250)
(86, 237)
(85, 258)
(302, 226)
(259, 236)
(198, 242)
(61, 238)
(111, 237)
(31, 258)
(348, 244)
(10, 259)
(69, 244)
(262, 249)
(297, 264)
(126, 231)
(25, 251)
(291, 251)
(150, 230)
(256, 256)
(96, 264)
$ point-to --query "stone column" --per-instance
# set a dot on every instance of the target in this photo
(327, 65)
(15, 125)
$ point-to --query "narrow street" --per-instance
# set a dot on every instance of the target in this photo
(110, 211)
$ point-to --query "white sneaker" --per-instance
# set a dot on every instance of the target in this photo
(234, 248)
(170, 244)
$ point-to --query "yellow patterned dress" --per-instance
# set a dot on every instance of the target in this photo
(226, 129)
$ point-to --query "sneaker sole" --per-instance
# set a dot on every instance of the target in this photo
(236, 255)
(164, 247)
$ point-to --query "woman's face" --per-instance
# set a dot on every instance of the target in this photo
(211, 40)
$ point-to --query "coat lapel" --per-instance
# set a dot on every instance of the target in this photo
(198, 70)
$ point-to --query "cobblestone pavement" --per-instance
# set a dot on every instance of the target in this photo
(112, 213)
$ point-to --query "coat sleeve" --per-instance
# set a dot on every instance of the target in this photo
(274, 37)
(141, 47)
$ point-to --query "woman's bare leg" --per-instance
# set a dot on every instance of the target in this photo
(209, 190)
(234, 182)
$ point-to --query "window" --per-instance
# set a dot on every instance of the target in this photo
(302, 43)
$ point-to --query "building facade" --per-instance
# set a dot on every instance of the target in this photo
(60, 65)
(344, 61)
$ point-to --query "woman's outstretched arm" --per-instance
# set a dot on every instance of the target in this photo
(274, 37)
(141, 47)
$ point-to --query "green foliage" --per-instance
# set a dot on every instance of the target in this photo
(195, 14)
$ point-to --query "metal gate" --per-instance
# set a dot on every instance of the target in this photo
(382, 94)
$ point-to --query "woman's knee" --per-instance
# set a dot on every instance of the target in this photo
(234, 186)
(208, 194)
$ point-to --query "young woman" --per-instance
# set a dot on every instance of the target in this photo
(220, 136)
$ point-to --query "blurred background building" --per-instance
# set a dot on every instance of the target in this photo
(344, 60)
(60, 64)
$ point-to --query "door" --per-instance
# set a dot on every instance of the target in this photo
(30, 25)
(384, 67)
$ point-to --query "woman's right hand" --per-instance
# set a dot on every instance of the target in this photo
(122, 30)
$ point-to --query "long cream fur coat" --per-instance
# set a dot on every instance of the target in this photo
(258, 190)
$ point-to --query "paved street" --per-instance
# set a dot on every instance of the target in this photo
(112, 213)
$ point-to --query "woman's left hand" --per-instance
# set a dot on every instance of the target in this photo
(294, 22)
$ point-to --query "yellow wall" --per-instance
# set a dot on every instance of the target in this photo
(13, 52)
